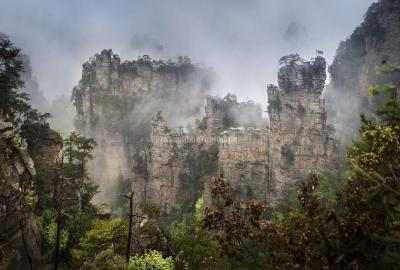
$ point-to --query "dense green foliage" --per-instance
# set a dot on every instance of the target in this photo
(106, 260)
(55, 210)
(103, 235)
(11, 66)
(151, 260)
(196, 247)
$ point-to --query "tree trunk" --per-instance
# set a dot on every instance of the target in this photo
(128, 249)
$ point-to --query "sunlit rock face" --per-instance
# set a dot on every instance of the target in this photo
(355, 67)
(301, 142)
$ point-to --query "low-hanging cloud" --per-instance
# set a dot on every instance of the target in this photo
(241, 40)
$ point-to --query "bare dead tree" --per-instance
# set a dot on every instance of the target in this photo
(129, 196)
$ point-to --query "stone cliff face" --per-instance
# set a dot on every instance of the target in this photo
(28, 168)
(243, 159)
(174, 154)
(105, 77)
(168, 166)
(19, 235)
(165, 164)
(115, 102)
(44, 146)
(301, 142)
(355, 67)
(258, 163)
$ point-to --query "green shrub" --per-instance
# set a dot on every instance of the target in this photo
(151, 260)
(102, 236)
(301, 111)
(106, 260)
(17, 140)
(150, 209)
(287, 154)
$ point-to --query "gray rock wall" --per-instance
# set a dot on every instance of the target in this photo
(301, 142)
(355, 68)
(258, 163)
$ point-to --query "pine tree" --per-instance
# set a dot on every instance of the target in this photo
(12, 102)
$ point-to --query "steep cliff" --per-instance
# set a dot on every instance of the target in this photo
(115, 102)
(19, 236)
(180, 161)
(44, 146)
(355, 67)
(301, 142)
(169, 167)
(243, 159)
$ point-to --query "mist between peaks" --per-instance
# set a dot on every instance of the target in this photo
(198, 140)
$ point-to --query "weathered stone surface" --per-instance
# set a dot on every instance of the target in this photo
(166, 164)
(258, 163)
(171, 150)
(355, 67)
(296, 74)
(27, 161)
(301, 142)
(18, 232)
(243, 160)
(148, 235)
(115, 102)
(44, 144)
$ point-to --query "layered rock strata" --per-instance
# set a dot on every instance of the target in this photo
(300, 142)
(243, 161)
(259, 161)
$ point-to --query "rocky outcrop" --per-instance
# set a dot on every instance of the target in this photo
(258, 163)
(301, 142)
(107, 83)
(44, 144)
(19, 236)
(148, 235)
(174, 154)
(355, 67)
(243, 160)
(162, 166)
(168, 166)
(115, 102)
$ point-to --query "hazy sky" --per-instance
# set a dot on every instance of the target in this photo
(241, 40)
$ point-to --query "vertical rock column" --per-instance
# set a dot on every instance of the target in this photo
(300, 142)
